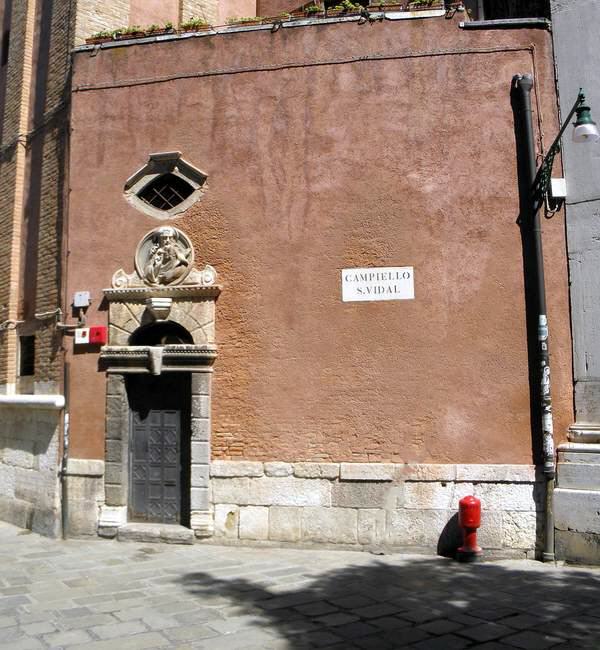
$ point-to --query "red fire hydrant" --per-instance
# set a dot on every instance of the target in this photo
(469, 519)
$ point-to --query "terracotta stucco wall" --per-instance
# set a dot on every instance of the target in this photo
(404, 160)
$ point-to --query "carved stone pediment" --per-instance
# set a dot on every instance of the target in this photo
(164, 288)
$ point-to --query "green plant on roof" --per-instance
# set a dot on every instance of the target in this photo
(194, 23)
(102, 34)
(312, 9)
(348, 6)
(243, 19)
(152, 28)
(168, 25)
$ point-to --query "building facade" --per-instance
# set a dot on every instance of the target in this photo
(238, 200)
(578, 493)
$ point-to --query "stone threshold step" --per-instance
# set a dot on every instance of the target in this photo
(162, 533)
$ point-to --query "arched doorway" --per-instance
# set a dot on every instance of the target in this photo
(159, 434)
(159, 362)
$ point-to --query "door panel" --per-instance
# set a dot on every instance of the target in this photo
(158, 455)
(155, 467)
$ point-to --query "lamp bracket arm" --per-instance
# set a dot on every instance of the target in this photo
(542, 178)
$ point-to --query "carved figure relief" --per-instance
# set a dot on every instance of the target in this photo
(164, 257)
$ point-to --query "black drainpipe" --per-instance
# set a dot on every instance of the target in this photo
(535, 290)
(64, 500)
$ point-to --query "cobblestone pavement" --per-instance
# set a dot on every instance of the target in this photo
(105, 595)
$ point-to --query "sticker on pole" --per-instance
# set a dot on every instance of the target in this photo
(384, 283)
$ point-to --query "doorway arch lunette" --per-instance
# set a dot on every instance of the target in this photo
(135, 306)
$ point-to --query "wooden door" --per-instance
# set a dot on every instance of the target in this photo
(157, 458)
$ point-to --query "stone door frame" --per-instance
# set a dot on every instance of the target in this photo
(116, 473)
(192, 307)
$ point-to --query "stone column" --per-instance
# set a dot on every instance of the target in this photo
(201, 515)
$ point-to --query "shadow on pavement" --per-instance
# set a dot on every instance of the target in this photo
(425, 603)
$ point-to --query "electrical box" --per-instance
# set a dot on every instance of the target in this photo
(98, 335)
(82, 336)
(558, 188)
(81, 299)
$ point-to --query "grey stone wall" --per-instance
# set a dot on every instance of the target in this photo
(402, 507)
(29, 485)
(575, 27)
(576, 499)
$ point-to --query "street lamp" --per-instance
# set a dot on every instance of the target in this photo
(585, 131)
(533, 190)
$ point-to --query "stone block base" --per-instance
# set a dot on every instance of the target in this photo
(45, 521)
(577, 548)
(29, 484)
(364, 505)
(148, 533)
(577, 502)
(85, 494)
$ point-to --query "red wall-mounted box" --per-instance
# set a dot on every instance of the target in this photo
(98, 335)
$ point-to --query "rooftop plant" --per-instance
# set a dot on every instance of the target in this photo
(193, 23)
(234, 20)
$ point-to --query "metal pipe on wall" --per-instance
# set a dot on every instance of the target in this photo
(531, 225)
(64, 500)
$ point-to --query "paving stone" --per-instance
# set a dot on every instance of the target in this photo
(339, 618)
(442, 626)
(27, 643)
(321, 638)
(405, 636)
(376, 610)
(7, 621)
(72, 637)
(317, 609)
(530, 640)
(521, 621)
(446, 642)
(243, 640)
(492, 614)
(115, 630)
(390, 622)
(355, 630)
(87, 621)
(421, 615)
(190, 632)
(486, 632)
(43, 627)
(76, 612)
(137, 642)
(9, 634)
(352, 602)
(235, 623)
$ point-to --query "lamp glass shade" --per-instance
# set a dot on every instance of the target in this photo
(587, 132)
(585, 127)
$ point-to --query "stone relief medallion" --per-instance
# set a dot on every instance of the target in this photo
(165, 256)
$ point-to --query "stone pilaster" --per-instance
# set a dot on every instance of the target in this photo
(201, 516)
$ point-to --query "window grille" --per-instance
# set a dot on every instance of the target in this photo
(166, 191)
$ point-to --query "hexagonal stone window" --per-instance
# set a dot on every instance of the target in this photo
(165, 186)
